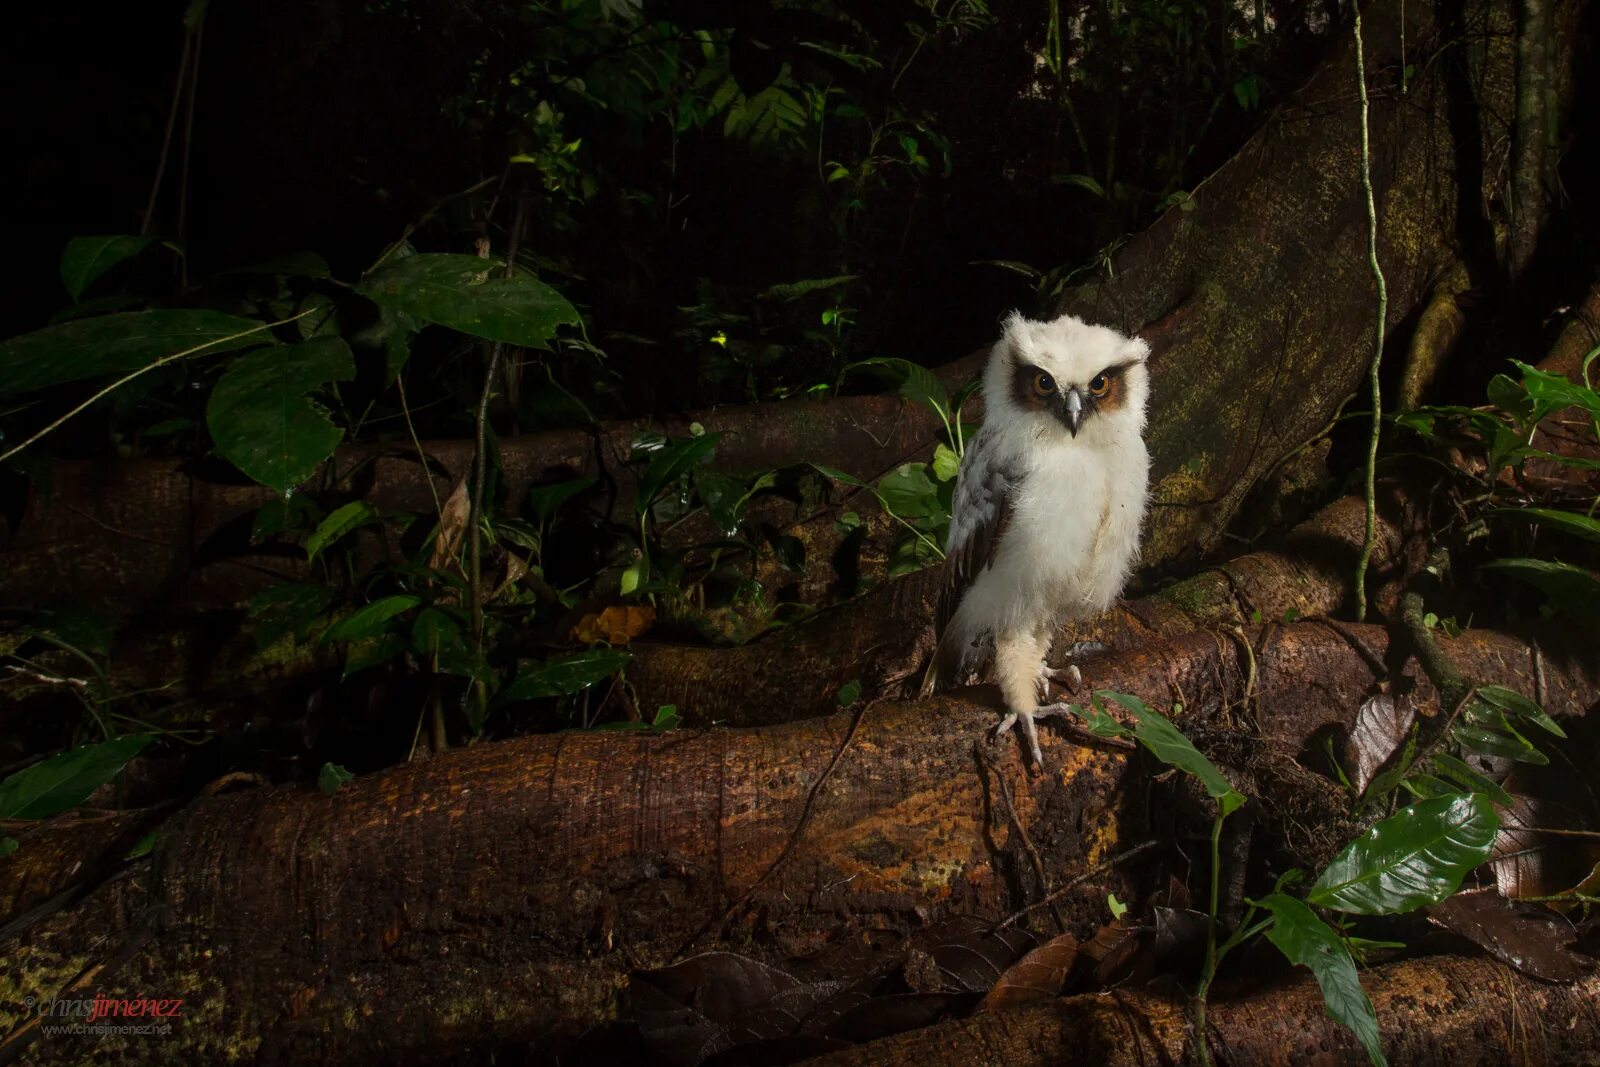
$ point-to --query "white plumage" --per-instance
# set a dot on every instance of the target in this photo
(1047, 508)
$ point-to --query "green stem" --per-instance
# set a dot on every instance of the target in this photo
(1377, 342)
(1212, 955)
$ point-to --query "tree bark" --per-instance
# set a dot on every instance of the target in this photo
(387, 922)
(1432, 1012)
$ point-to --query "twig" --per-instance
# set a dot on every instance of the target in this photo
(1377, 341)
(1022, 831)
(146, 369)
(1097, 869)
(166, 137)
(794, 835)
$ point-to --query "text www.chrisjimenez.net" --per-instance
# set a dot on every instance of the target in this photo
(103, 1016)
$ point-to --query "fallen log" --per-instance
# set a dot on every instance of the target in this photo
(883, 638)
(386, 921)
(1438, 1011)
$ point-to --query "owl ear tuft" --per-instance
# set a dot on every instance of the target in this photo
(1137, 348)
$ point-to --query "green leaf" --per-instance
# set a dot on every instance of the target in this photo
(289, 264)
(668, 464)
(1554, 391)
(564, 674)
(370, 618)
(667, 718)
(368, 652)
(1306, 940)
(914, 381)
(1514, 703)
(849, 692)
(66, 779)
(546, 500)
(946, 464)
(263, 422)
(1572, 522)
(1466, 777)
(8, 846)
(839, 476)
(286, 609)
(1167, 743)
(86, 258)
(1082, 181)
(350, 516)
(435, 631)
(909, 493)
(283, 515)
(473, 296)
(723, 497)
(115, 344)
(1410, 859)
(332, 778)
(632, 577)
(143, 847)
(1569, 589)
(1118, 908)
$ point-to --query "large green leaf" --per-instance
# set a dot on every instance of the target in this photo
(349, 517)
(1308, 941)
(669, 463)
(564, 674)
(86, 258)
(1410, 859)
(1570, 589)
(1167, 743)
(263, 422)
(65, 780)
(913, 381)
(1572, 522)
(370, 619)
(115, 344)
(908, 492)
(471, 295)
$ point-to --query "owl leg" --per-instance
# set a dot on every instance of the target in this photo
(1069, 677)
(1019, 669)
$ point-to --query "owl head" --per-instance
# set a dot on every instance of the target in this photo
(1068, 378)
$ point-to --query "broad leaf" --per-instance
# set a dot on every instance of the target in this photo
(913, 380)
(1514, 703)
(908, 492)
(351, 516)
(1569, 589)
(546, 500)
(370, 619)
(1308, 941)
(260, 416)
(65, 780)
(669, 463)
(286, 609)
(1410, 859)
(471, 295)
(1572, 522)
(564, 674)
(115, 344)
(86, 258)
(1167, 743)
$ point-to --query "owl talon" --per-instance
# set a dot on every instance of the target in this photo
(1030, 731)
(1068, 677)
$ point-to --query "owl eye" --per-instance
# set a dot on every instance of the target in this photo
(1043, 384)
(1099, 385)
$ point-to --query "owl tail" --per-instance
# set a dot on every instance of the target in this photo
(943, 667)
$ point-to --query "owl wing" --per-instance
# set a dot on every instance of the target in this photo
(979, 515)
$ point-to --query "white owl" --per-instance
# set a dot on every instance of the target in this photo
(1047, 507)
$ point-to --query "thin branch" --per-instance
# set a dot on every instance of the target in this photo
(1378, 329)
(146, 369)
(1097, 869)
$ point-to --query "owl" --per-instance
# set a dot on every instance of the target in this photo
(1047, 508)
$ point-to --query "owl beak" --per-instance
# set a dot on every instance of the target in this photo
(1072, 410)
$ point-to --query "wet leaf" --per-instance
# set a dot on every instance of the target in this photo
(1417, 856)
(471, 295)
(115, 344)
(261, 417)
(564, 674)
(66, 779)
(1528, 863)
(1380, 728)
(1038, 976)
(87, 258)
(344, 519)
(1167, 743)
(1533, 940)
(670, 463)
(1308, 941)
(332, 778)
(370, 619)
(971, 954)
